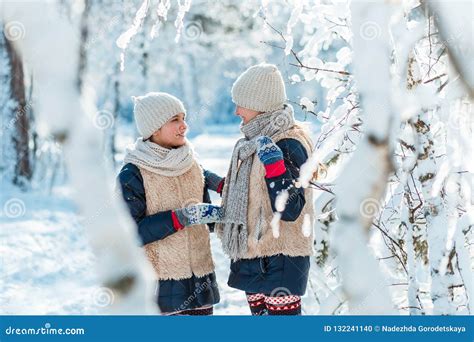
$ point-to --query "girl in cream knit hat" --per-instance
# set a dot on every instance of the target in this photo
(270, 265)
(166, 191)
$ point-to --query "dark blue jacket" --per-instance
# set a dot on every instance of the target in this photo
(267, 274)
(173, 295)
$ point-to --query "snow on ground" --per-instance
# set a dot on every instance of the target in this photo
(46, 264)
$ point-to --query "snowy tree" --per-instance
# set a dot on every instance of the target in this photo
(121, 267)
(414, 219)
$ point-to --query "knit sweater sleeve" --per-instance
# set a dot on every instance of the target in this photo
(152, 227)
(294, 155)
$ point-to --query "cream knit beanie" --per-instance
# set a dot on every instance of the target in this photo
(153, 110)
(260, 88)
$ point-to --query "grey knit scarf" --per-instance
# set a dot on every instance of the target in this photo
(236, 189)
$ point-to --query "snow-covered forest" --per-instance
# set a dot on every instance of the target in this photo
(386, 89)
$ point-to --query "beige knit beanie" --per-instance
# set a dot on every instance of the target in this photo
(153, 110)
(260, 88)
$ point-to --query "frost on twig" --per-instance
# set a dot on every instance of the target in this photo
(124, 40)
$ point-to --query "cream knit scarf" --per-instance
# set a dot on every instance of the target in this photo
(160, 160)
(236, 189)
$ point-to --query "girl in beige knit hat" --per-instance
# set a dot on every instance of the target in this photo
(269, 261)
(166, 191)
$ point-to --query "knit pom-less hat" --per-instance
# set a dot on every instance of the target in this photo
(260, 88)
(153, 110)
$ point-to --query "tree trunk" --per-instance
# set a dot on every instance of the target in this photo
(23, 169)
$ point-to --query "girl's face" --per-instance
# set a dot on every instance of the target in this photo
(173, 133)
(245, 114)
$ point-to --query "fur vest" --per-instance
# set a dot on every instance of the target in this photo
(187, 251)
(291, 241)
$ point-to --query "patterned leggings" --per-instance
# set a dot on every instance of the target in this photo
(261, 304)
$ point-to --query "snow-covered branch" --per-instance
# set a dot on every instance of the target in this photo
(69, 117)
(367, 172)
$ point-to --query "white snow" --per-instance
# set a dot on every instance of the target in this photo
(308, 105)
(275, 224)
(47, 264)
(124, 40)
(280, 202)
(307, 226)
